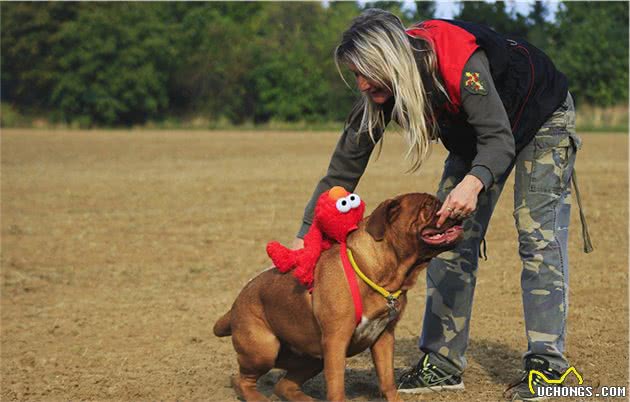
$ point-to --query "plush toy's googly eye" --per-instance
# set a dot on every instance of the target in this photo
(355, 200)
(343, 205)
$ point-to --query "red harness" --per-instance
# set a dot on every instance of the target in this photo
(352, 282)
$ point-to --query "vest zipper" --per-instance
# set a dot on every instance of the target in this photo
(531, 82)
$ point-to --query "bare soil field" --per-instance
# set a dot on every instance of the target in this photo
(121, 248)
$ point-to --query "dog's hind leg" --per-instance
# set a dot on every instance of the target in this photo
(257, 351)
(299, 370)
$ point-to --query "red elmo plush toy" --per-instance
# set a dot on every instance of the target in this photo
(337, 213)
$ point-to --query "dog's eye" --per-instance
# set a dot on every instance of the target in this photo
(354, 200)
(343, 205)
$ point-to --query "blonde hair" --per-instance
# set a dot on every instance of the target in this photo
(378, 46)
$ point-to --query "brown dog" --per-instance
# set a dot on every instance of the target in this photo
(275, 322)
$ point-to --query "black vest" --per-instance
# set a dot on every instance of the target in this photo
(530, 87)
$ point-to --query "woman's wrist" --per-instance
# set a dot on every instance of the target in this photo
(474, 182)
(482, 173)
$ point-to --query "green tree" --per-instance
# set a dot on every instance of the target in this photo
(294, 72)
(425, 10)
(495, 15)
(592, 50)
(28, 65)
(539, 30)
(114, 63)
(215, 42)
(338, 97)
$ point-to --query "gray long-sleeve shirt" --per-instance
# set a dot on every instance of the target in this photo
(484, 111)
(487, 116)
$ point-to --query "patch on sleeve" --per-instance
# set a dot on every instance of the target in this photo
(474, 83)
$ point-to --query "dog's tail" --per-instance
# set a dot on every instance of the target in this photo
(223, 325)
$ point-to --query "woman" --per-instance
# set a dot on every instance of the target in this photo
(495, 104)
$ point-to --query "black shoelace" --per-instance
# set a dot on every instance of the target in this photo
(537, 380)
(425, 377)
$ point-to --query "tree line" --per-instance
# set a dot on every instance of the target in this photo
(126, 63)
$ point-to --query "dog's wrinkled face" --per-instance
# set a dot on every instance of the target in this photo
(408, 223)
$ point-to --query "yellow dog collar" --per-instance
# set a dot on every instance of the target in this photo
(385, 293)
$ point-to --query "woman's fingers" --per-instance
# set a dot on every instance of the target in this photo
(462, 212)
(445, 204)
(444, 212)
(450, 208)
(461, 202)
(442, 219)
(455, 209)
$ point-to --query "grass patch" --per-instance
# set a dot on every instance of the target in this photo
(597, 118)
(11, 117)
(201, 123)
(588, 119)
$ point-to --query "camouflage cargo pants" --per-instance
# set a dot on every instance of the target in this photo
(542, 205)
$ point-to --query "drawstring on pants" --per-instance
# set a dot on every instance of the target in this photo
(588, 246)
(483, 253)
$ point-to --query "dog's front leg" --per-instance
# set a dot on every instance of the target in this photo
(383, 357)
(334, 347)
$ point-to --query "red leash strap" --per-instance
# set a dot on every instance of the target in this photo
(352, 282)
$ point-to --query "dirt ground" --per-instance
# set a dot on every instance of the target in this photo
(121, 248)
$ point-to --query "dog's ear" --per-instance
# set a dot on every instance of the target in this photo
(381, 217)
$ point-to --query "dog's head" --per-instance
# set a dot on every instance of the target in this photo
(408, 224)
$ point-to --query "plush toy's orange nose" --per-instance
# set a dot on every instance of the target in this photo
(337, 192)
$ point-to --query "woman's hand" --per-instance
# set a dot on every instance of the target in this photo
(297, 244)
(462, 200)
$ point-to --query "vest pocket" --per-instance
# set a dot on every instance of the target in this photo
(552, 163)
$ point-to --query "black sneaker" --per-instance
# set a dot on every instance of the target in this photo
(521, 390)
(430, 375)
